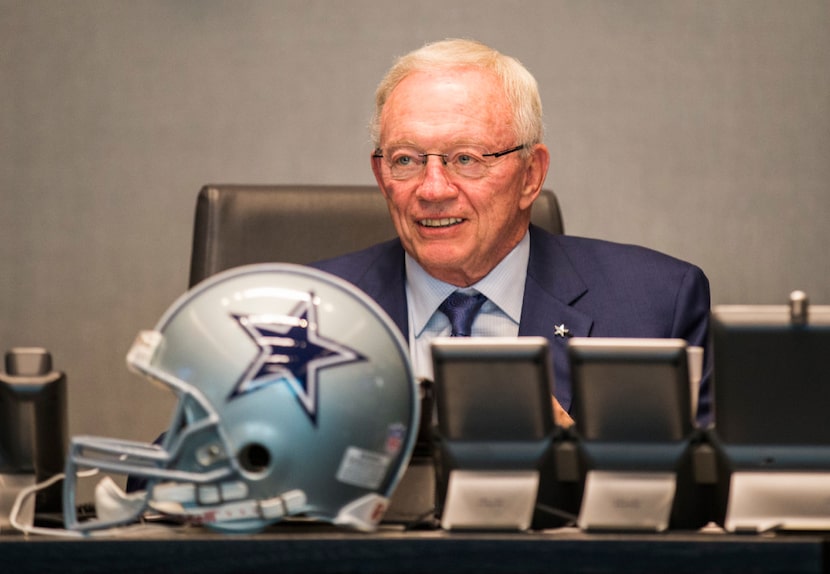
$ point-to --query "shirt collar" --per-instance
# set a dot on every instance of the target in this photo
(504, 287)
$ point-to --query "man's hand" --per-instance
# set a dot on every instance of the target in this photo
(560, 415)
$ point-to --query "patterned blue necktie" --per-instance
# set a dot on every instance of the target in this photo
(461, 310)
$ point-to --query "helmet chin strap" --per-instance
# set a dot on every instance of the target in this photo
(364, 513)
(223, 505)
(114, 506)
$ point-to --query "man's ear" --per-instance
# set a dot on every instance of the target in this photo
(376, 169)
(535, 173)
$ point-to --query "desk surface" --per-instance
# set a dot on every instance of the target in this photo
(317, 548)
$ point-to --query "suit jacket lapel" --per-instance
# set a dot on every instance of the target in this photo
(551, 288)
(385, 282)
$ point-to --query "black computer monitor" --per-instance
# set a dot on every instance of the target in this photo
(633, 414)
(630, 390)
(493, 389)
(771, 381)
(772, 390)
(493, 406)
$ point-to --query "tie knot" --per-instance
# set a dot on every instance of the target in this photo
(461, 309)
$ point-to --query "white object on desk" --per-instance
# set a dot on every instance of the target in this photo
(695, 362)
(10, 486)
(490, 500)
(627, 501)
(762, 501)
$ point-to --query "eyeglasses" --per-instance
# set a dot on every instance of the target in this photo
(468, 161)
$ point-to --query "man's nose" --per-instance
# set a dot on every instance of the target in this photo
(436, 185)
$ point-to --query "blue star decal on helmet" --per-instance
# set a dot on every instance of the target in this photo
(291, 351)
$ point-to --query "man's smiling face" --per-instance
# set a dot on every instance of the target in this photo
(458, 229)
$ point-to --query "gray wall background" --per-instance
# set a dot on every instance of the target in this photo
(697, 127)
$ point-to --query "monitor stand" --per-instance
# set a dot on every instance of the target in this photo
(490, 500)
(766, 501)
(616, 500)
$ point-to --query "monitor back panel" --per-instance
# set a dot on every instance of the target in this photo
(772, 377)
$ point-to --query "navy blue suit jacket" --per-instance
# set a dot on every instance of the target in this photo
(594, 287)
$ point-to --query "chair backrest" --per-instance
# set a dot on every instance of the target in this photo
(240, 224)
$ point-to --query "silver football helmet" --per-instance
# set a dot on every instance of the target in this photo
(295, 398)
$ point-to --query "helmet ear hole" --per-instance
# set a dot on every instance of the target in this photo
(254, 457)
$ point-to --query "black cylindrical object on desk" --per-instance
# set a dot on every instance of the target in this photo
(33, 421)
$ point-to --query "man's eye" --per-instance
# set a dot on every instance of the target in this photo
(403, 160)
(465, 159)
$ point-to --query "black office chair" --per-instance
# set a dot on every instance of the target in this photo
(240, 224)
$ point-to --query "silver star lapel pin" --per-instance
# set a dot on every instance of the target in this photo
(561, 331)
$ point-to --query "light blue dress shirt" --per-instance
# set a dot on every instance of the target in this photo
(499, 317)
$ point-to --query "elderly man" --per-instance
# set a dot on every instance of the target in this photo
(459, 158)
